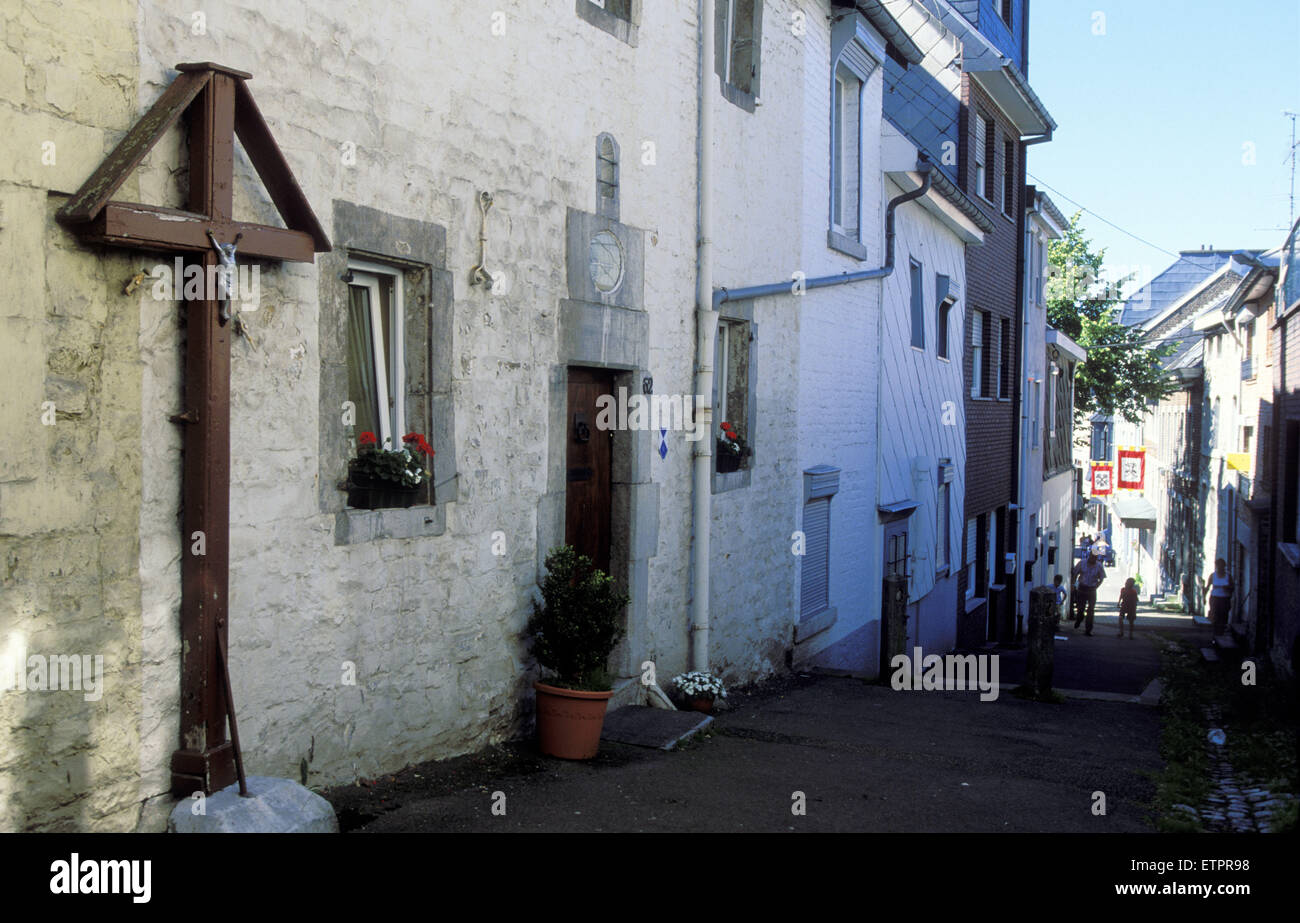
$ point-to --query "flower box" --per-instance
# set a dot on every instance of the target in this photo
(379, 495)
(727, 462)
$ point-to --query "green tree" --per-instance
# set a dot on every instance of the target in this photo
(1123, 372)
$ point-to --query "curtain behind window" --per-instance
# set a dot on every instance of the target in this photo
(362, 390)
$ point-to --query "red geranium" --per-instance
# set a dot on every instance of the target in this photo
(367, 438)
(419, 441)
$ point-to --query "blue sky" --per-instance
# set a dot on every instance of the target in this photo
(1154, 116)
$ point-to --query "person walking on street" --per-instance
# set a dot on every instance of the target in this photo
(1128, 606)
(1090, 574)
(1219, 588)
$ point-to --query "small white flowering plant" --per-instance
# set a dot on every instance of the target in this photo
(699, 685)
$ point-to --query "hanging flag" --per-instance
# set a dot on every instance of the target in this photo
(1132, 468)
(1102, 478)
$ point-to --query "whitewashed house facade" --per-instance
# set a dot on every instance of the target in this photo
(1048, 489)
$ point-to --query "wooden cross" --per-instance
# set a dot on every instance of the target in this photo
(221, 107)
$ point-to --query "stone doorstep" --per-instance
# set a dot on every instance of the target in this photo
(272, 806)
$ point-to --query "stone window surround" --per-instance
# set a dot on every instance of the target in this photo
(734, 480)
(419, 248)
(625, 30)
(858, 47)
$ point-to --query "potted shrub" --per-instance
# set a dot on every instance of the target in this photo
(574, 629)
(731, 449)
(698, 690)
(381, 478)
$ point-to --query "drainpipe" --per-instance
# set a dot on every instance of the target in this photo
(787, 287)
(706, 332)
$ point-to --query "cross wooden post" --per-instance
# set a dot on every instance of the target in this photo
(221, 107)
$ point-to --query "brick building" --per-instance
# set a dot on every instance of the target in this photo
(1000, 115)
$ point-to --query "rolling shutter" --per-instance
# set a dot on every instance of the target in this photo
(814, 571)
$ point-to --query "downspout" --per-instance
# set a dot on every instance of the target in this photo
(787, 287)
(706, 331)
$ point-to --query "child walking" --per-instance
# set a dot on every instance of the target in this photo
(1128, 606)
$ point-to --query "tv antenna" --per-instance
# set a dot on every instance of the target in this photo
(1291, 157)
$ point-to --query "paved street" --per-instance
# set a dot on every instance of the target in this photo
(867, 758)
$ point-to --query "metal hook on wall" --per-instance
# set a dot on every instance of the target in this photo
(479, 275)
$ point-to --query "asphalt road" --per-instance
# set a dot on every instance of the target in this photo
(864, 758)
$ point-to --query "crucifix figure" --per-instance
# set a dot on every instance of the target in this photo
(220, 107)
(225, 272)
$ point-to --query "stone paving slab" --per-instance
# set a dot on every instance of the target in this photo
(660, 728)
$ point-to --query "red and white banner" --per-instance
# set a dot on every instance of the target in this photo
(1102, 478)
(1132, 468)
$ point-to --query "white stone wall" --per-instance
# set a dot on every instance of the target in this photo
(439, 105)
(838, 376)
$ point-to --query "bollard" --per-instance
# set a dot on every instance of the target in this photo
(1043, 621)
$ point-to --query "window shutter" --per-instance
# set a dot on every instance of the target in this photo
(814, 572)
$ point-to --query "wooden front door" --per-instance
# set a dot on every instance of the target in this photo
(587, 504)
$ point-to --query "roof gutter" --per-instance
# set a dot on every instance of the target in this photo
(890, 29)
(723, 295)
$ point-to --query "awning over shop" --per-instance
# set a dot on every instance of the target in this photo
(1136, 513)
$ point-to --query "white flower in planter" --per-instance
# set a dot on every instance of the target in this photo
(699, 685)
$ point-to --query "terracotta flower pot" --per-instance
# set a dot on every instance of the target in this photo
(703, 704)
(569, 721)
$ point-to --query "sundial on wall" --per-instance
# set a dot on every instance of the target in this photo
(605, 261)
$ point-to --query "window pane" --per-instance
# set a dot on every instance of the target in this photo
(837, 154)
(918, 307)
(742, 45)
(362, 390)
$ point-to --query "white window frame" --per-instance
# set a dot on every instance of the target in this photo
(720, 360)
(391, 382)
(977, 354)
(846, 153)
(916, 302)
(981, 156)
